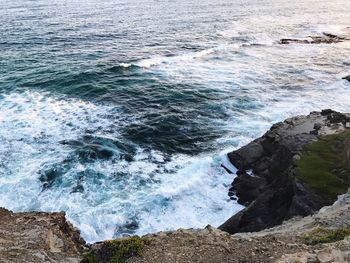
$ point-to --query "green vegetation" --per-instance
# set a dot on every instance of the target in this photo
(117, 251)
(91, 258)
(324, 165)
(324, 235)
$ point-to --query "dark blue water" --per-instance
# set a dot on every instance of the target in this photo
(121, 112)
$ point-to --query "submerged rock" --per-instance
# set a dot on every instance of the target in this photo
(91, 148)
(278, 190)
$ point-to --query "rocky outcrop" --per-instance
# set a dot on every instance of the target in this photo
(325, 38)
(273, 193)
(38, 237)
(347, 78)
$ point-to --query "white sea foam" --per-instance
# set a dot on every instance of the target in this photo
(158, 60)
(125, 65)
(183, 192)
(335, 29)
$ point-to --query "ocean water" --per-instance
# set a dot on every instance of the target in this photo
(120, 112)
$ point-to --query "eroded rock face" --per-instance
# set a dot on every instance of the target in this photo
(38, 237)
(274, 193)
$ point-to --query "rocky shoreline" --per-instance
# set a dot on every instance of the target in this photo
(270, 182)
(274, 192)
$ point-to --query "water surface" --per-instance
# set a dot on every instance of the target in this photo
(120, 112)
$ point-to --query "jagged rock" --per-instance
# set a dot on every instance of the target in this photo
(246, 155)
(248, 188)
(285, 41)
(325, 38)
(347, 78)
(275, 194)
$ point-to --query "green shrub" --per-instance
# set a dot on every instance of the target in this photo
(117, 251)
(324, 166)
(324, 235)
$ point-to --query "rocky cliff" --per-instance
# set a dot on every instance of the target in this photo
(297, 167)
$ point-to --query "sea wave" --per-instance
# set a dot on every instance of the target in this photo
(67, 155)
(158, 60)
(185, 57)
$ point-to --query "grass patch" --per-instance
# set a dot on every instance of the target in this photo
(117, 251)
(323, 235)
(324, 165)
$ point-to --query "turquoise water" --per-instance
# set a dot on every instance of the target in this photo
(121, 112)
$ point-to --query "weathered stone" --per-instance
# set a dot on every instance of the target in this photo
(274, 194)
(38, 237)
(246, 156)
(325, 38)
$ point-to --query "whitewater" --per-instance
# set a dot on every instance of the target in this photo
(120, 113)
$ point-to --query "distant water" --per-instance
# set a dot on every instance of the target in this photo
(120, 112)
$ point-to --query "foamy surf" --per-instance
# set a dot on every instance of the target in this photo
(107, 197)
(103, 197)
(156, 61)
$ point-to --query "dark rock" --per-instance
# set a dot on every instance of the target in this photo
(248, 188)
(317, 126)
(329, 35)
(272, 207)
(336, 117)
(347, 78)
(304, 201)
(276, 125)
(246, 156)
(285, 41)
(241, 172)
(325, 38)
(261, 165)
(274, 194)
(226, 169)
(326, 111)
